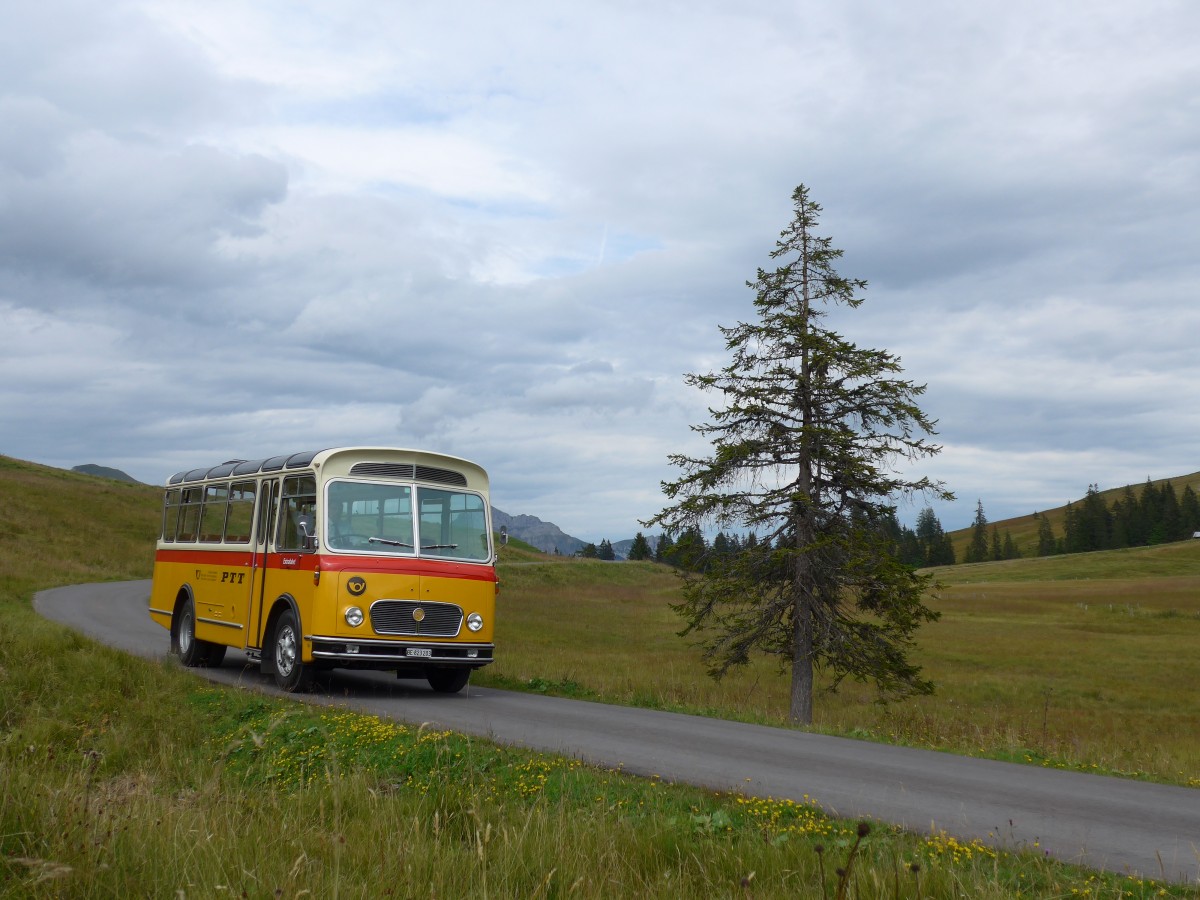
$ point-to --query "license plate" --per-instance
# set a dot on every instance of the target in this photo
(418, 651)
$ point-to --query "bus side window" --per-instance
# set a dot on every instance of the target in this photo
(297, 515)
(170, 514)
(215, 510)
(189, 514)
(268, 509)
(241, 513)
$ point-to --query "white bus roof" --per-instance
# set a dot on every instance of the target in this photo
(378, 462)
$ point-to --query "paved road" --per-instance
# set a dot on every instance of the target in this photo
(1106, 823)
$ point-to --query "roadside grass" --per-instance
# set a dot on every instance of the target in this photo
(125, 777)
(121, 776)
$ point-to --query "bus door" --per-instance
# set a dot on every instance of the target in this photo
(268, 504)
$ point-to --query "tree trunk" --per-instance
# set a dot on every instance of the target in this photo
(800, 711)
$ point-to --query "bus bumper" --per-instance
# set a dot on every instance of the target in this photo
(375, 654)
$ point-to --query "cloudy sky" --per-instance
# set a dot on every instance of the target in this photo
(505, 231)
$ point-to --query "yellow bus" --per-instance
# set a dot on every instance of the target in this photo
(359, 557)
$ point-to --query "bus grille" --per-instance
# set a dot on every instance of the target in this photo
(398, 617)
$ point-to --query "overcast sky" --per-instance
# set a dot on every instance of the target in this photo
(506, 230)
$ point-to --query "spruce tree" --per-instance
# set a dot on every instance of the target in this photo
(640, 548)
(1172, 521)
(805, 438)
(664, 548)
(977, 550)
(1150, 507)
(1011, 551)
(946, 556)
(1189, 511)
(1047, 546)
(930, 537)
(691, 550)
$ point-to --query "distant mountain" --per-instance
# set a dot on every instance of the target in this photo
(546, 536)
(105, 472)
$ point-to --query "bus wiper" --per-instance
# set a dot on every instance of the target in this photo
(379, 540)
(439, 546)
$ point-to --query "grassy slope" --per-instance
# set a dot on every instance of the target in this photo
(1024, 529)
(60, 527)
(121, 777)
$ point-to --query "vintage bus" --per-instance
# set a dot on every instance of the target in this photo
(362, 557)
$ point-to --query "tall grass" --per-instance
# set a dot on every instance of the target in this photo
(125, 777)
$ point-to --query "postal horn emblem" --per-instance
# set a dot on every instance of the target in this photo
(356, 586)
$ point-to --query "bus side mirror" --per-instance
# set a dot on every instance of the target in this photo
(310, 539)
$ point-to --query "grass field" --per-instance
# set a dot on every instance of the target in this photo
(125, 777)
(1074, 661)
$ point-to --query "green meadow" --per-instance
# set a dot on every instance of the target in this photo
(126, 777)
(1080, 661)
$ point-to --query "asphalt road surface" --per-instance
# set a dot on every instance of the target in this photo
(1126, 826)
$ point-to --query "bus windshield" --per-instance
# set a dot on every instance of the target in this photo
(400, 519)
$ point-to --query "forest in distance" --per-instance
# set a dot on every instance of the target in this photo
(1155, 513)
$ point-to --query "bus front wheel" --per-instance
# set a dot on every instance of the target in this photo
(291, 674)
(447, 681)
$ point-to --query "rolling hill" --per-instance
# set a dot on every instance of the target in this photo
(1024, 529)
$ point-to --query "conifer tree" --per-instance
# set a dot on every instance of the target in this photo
(929, 535)
(720, 545)
(946, 557)
(804, 440)
(1150, 508)
(691, 550)
(1189, 511)
(1010, 546)
(1047, 546)
(640, 548)
(664, 548)
(977, 550)
(1172, 521)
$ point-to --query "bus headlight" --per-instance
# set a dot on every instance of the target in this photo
(354, 617)
(474, 621)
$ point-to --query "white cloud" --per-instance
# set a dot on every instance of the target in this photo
(235, 230)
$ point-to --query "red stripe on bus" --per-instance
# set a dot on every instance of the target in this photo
(310, 562)
(208, 557)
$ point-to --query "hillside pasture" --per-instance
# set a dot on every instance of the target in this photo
(1024, 529)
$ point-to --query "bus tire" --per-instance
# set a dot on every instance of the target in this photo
(447, 681)
(191, 650)
(291, 674)
(216, 655)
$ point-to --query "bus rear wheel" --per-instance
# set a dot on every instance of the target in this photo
(291, 674)
(447, 681)
(191, 650)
